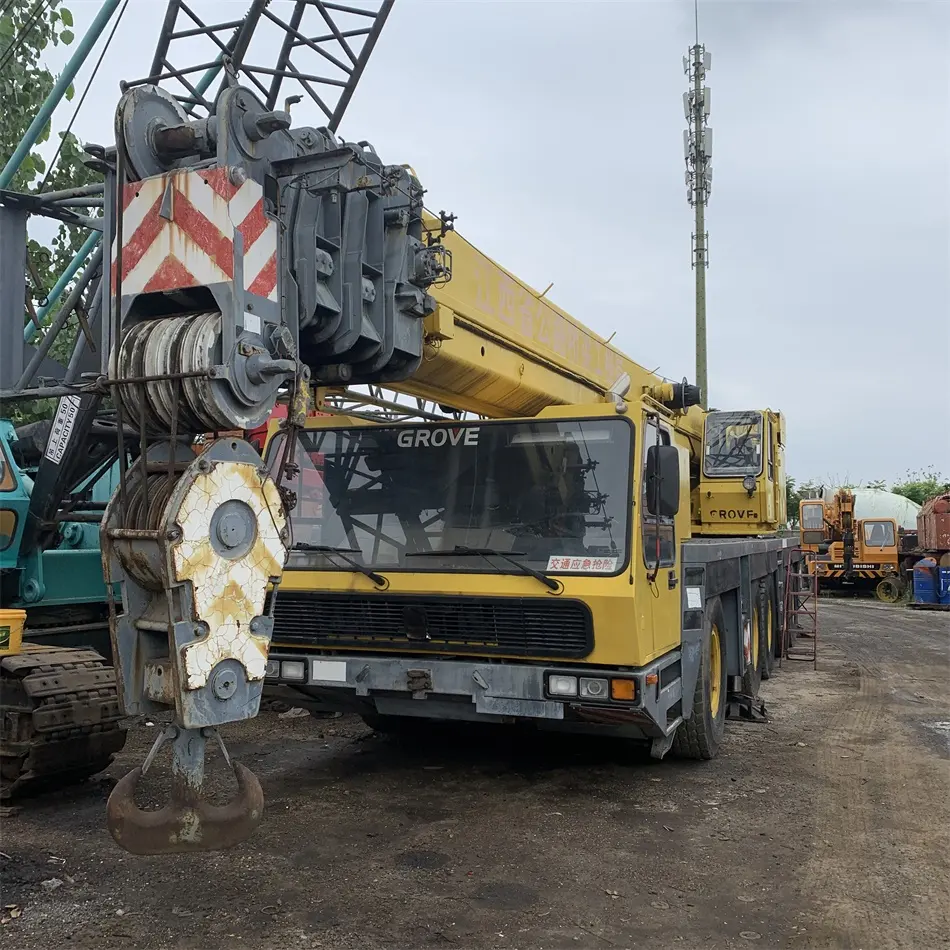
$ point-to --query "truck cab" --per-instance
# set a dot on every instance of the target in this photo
(541, 569)
(63, 575)
(14, 503)
(742, 473)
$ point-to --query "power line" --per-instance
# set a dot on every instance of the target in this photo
(18, 40)
(82, 99)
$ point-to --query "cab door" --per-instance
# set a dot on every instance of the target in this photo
(659, 546)
(14, 502)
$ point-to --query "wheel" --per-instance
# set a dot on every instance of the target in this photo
(770, 642)
(752, 675)
(699, 736)
(889, 590)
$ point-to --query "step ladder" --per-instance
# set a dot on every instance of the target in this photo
(800, 634)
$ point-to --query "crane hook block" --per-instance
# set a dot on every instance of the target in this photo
(187, 823)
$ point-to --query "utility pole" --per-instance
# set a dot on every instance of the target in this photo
(697, 142)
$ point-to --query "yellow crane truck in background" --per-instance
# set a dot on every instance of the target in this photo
(575, 543)
(851, 553)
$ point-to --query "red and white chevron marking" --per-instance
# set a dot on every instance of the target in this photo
(194, 245)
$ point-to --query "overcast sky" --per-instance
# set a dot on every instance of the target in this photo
(554, 131)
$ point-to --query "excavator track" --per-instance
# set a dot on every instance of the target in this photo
(60, 720)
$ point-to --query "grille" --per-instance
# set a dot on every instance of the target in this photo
(512, 625)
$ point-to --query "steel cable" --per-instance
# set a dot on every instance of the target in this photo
(82, 98)
(18, 40)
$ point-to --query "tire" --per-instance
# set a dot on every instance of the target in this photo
(770, 641)
(752, 675)
(699, 736)
(889, 590)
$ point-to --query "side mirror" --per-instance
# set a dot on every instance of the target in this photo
(663, 466)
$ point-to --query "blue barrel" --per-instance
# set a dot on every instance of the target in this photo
(943, 585)
(925, 581)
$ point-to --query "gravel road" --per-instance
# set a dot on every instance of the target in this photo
(827, 827)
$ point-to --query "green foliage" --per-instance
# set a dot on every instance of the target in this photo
(918, 486)
(27, 30)
(792, 498)
(921, 485)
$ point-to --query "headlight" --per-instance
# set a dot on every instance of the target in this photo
(293, 670)
(593, 688)
(272, 670)
(559, 685)
(748, 483)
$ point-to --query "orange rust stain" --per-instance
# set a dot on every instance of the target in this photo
(201, 560)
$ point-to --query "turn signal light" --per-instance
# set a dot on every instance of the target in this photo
(623, 689)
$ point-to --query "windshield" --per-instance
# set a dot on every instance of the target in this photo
(879, 534)
(733, 444)
(813, 516)
(553, 495)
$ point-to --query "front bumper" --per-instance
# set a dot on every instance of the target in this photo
(476, 691)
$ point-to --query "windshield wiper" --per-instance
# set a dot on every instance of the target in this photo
(342, 553)
(461, 551)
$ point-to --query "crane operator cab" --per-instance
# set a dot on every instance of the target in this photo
(811, 518)
(742, 478)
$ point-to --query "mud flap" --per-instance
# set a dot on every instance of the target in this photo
(745, 708)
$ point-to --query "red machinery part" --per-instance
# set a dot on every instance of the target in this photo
(257, 437)
(933, 524)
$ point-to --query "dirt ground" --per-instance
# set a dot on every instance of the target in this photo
(827, 827)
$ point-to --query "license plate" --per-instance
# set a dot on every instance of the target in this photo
(328, 671)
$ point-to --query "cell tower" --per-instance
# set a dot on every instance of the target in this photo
(697, 143)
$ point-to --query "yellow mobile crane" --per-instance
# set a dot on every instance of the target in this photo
(851, 552)
(596, 552)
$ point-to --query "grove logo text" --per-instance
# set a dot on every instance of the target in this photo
(444, 435)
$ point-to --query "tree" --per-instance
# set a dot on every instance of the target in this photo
(921, 485)
(792, 498)
(27, 29)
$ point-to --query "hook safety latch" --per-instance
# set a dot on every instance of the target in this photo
(186, 823)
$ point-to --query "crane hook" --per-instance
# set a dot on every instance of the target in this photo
(186, 823)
